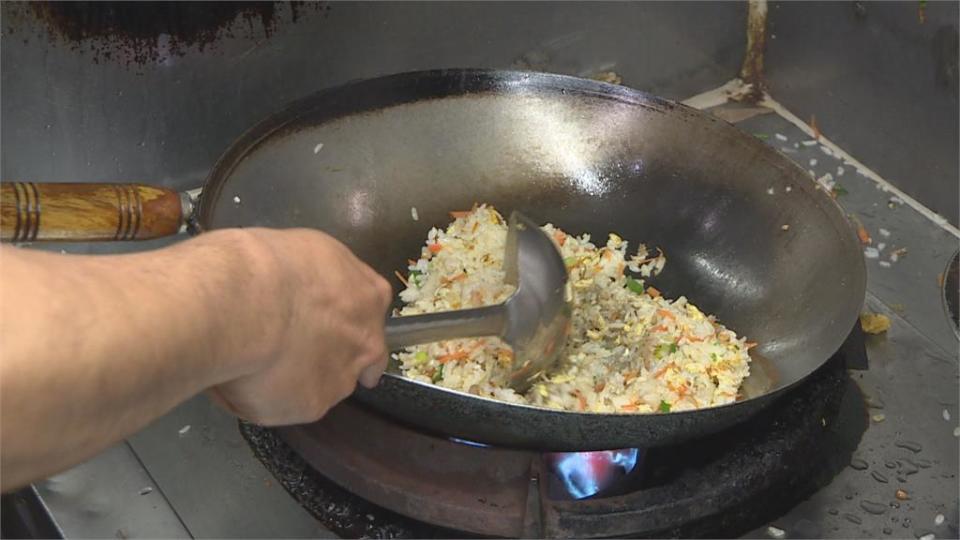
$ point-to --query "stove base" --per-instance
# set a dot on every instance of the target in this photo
(719, 486)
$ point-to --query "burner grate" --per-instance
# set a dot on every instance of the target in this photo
(719, 486)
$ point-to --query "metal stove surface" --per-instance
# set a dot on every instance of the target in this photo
(173, 482)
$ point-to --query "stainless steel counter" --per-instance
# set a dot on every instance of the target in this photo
(206, 483)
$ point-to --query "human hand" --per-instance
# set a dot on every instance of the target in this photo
(315, 327)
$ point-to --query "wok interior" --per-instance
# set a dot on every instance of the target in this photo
(652, 172)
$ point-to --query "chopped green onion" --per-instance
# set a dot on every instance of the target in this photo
(839, 190)
(420, 358)
(663, 349)
(437, 375)
(673, 348)
(415, 277)
(664, 406)
(713, 356)
(570, 261)
(635, 285)
(761, 136)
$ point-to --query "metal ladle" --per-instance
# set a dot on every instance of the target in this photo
(534, 320)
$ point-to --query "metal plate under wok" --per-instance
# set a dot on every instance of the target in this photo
(784, 269)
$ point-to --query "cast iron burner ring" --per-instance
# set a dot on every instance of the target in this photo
(372, 477)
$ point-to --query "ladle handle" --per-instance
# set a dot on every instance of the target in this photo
(67, 212)
(466, 323)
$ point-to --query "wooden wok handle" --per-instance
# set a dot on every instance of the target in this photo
(33, 212)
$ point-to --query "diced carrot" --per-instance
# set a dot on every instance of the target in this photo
(660, 372)
(457, 214)
(651, 259)
(750, 344)
(459, 277)
(401, 278)
(599, 387)
(863, 234)
(665, 314)
(629, 407)
(620, 268)
(581, 399)
(560, 237)
(660, 328)
(813, 126)
(449, 357)
(434, 248)
(653, 293)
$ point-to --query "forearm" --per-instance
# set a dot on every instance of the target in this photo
(94, 348)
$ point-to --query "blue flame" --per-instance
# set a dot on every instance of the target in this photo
(469, 443)
(587, 473)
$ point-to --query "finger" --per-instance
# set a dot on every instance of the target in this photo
(370, 376)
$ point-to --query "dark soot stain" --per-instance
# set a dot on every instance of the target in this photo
(133, 31)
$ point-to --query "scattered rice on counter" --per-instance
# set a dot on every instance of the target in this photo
(630, 349)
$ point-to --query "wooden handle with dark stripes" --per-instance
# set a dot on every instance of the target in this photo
(36, 212)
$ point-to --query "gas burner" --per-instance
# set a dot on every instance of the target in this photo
(362, 474)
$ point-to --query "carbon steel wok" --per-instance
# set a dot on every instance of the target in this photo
(588, 157)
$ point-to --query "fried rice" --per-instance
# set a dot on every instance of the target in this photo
(630, 349)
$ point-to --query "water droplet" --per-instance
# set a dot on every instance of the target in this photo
(48, 126)
(873, 507)
(887, 530)
(946, 415)
(879, 477)
(853, 518)
(902, 495)
(890, 464)
(939, 520)
(874, 402)
(909, 445)
(833, 511)
(894, 504)
(859, 464)
(908, 467)
(848, 497)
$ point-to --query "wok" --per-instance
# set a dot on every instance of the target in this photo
(785, 269)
